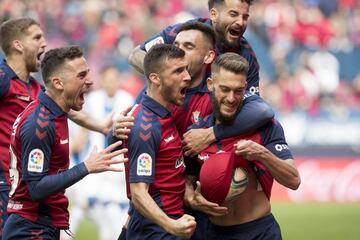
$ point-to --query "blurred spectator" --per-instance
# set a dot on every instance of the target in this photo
(308, 50)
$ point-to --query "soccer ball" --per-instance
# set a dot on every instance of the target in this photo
(239, 182)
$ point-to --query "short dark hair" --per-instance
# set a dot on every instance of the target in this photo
(155, 58)
(55, 59)
(13, 29)
(232, 62)
(212, 3)
(208, 31)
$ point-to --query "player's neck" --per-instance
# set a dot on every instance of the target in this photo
(18, 66)
(197, 79)
(58, 99)
(158, 98)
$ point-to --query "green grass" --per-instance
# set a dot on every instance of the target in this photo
(306, 221)
(317, 221)
(87, 231)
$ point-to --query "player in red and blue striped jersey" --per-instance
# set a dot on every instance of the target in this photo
(198, 40)
(156, 168)
(263, 155)
(229, 20)
(23, 42)
(39, 150)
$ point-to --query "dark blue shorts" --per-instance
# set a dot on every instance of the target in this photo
(202, 224)
(265, 228)
(17, 227)
(140, 228)
(4, 199)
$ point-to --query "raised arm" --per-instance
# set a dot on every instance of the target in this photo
(85, 120)
(136, 59)
(97, 162)
(254, 114)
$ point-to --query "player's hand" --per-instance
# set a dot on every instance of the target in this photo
(102, 161)
(122, 125)
(107, 123)
(183, 227)
(201, 204)
(196, 140)
(250, 150)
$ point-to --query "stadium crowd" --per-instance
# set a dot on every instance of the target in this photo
(308, 49)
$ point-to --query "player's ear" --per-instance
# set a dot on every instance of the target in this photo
(210, 84)
(57, 83)
(209, 57)
(17, 44)
(213, 15)
(154, 78)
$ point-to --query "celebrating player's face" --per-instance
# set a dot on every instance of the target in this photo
(230, 21)
(175, 79)
(34, 46)
(196, 48)
(228, 92)
(76, 83)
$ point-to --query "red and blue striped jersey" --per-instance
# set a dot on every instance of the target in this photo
(168, 35)
(155, 155)
(271, 136)
(39, 147)
(15, 95)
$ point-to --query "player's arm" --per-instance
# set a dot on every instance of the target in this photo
(97, 162)
(144, 203)
(195, 200)
(85, 120)
(255, 113)
(142, 163)
(274, 155)
(193, 197)
(253, 76)
(136, 59)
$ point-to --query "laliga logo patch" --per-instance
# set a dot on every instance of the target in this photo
(144, 163)
(36, 161)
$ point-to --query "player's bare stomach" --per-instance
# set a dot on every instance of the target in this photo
(250, 205)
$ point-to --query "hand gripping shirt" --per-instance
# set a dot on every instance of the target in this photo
(271, 136)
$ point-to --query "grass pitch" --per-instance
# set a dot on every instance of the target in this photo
(303, 221)
(318, 221)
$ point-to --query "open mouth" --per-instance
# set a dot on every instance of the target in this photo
(183, 91)
(235, 32)
(82, 96)
(39, 56)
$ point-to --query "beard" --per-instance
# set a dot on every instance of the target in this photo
(167, 92)
(220, 31)
(30, 64)
(227, 120)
